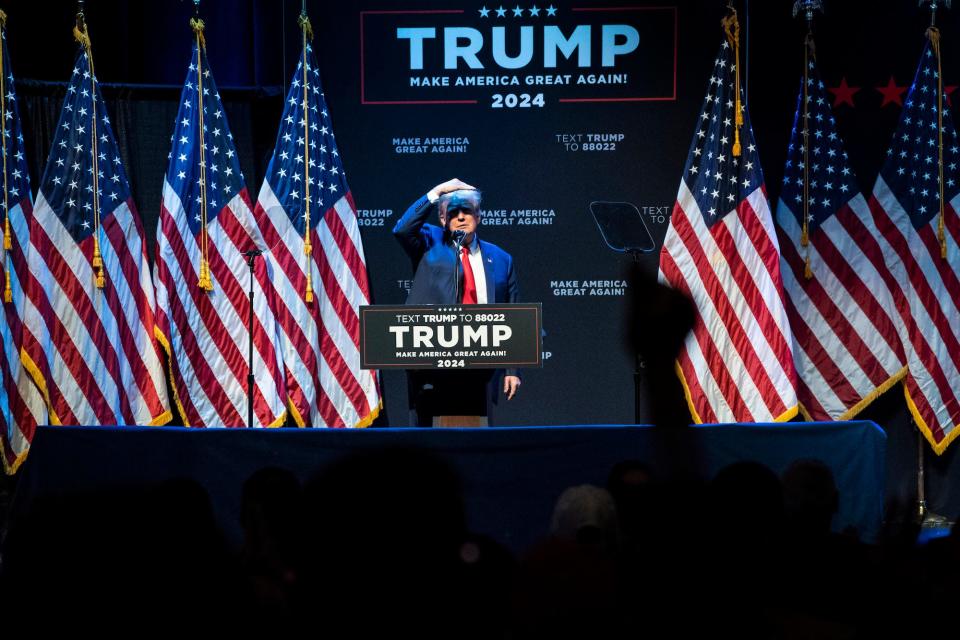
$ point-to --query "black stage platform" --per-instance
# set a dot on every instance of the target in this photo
(511, 476)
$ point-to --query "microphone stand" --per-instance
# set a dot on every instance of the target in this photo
(251, 255)
(639, 364)
(458, 237)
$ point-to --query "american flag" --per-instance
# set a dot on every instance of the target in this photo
(305, 189)
(721, 249)
(21, 405)
(206, 218)
(88, 326)
(847, 345)
(906, 208)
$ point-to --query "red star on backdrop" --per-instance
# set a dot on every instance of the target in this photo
(947, 90)
(843, 93)
(892, 94)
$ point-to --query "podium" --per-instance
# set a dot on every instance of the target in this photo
(451, 353)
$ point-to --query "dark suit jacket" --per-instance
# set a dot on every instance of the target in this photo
(434, 261)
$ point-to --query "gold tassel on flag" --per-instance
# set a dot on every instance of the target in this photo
(732, 28)
(805, 234)
(98, 264)
(308, 251)
(933, 34)
(82, 35)
(204, 281)
(304, 23)
(809, 49)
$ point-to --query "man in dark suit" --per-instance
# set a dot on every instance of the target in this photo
(486, 275)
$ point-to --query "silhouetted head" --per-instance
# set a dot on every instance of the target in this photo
(586, 514)
(270, 512)
(746, 501)
(389, 521)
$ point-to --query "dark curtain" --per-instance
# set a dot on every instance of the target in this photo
(142, 119)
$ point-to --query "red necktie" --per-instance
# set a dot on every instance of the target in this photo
(469, 284)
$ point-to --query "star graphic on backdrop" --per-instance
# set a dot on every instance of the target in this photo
(501, 12)
(551, 11)
(484, 12)
(534, 11)
(892, 94)
(517, 11)
(843, 93)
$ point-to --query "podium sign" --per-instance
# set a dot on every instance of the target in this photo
(475, 336)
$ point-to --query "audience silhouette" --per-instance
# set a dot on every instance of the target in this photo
(378, 544)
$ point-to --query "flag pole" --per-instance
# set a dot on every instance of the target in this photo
(926, 518)
(731, 27)
(82, 35)
(307, 30)
(251, 255)
(933, 34)
(204, 281)
(7, 240)
(923, 516)
(921, 490)
(808, 7)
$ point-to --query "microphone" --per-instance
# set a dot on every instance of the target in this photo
(458, 236)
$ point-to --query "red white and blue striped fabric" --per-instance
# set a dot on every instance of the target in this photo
(90, 345)
(840, 299)
(21, 406)
(321, 354)
(205, 332)
(906, 210)
(721, 249)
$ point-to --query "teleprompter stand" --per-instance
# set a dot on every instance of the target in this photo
(625, 231)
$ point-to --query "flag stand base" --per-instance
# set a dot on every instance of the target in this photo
(923, 516)
(930, 520)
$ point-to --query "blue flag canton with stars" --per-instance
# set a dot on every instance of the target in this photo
(18, 176)
(911, 169)
(717, 179)
(83, 140)
(831, 182)
(306, 157)
(223, 176)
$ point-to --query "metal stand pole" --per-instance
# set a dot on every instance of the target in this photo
(251, 256)
(926, 518)
(638, 364)
(638, 367)
(921, 481)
